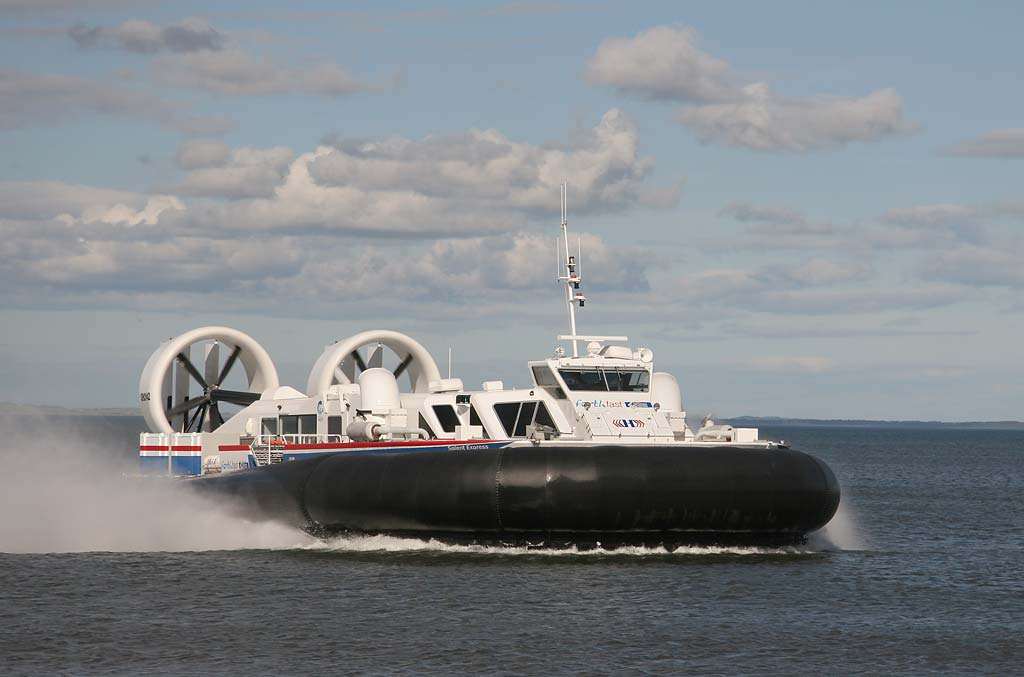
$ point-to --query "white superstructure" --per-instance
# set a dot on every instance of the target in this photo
(610, 394)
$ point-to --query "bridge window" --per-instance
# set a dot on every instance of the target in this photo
(604, 380)
(447, 417)
(628, 380)
(268, 426)
(542, 376)
(545, 378)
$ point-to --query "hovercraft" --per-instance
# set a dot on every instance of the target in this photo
(596, 451)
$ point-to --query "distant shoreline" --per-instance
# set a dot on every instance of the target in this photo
(758, 421)
(8, 408)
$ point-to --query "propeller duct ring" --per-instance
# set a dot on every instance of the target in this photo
(415, 360)
(176, 354)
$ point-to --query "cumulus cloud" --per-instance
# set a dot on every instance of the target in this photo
(664, 62)
(47, 264)
(505, 267)
(724, 106)
(193, 54)
(242, 173)
(1003, 143)
(766, 121)
(120, 213)
(603, 166)
(46, 199)
(77, 204)
(33, 99)
(459, 185)
(455, 212)
(144, 37)
(235, 72)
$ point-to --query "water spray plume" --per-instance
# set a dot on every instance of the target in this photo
(842, 533)
(63, 493)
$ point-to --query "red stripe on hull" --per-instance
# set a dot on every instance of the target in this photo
(341, 446)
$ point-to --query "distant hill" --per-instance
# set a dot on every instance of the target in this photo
(756, 421)
(11, 408)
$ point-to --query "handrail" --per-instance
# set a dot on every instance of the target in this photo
(295, 438)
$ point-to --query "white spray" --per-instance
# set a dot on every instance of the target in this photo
(842, 533)
(61, 492)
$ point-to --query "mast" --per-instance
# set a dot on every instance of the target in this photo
(571, 277)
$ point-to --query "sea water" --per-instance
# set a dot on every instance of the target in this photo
(919, 572)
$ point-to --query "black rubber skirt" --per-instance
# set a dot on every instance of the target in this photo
(549, 495)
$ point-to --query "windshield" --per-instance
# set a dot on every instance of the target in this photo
(607, 380)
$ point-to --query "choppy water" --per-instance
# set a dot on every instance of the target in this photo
(922, 572)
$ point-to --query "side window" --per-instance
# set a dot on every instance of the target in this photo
(268, 426)
(516, 416)
(507, 413)
(334, 425)
(543, 417)
(289, 425)
(474, 418)
(526, 414)
(447, 417)
(307, 424)
(426, 426)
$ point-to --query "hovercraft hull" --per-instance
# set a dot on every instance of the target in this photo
(550, 494)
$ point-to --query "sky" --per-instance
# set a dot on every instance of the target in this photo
(804, 209)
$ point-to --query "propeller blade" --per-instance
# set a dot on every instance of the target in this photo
(233, 396)
(227, 365)
(202, 416)
(400, 369)
(216, 420)
(377, 357)
(191, 420)
(359, 360)
(348, 368)
(191, 369)
(186, 406)
(211, 365)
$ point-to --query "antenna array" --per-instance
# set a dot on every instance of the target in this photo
(570, 272)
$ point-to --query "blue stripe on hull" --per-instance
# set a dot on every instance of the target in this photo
(153, 465)
(179, 465)
(186, 465)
